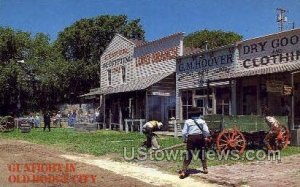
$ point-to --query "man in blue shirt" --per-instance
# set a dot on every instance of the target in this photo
(194, 133)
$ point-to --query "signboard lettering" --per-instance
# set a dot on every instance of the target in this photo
(159, 56)
(270, 50)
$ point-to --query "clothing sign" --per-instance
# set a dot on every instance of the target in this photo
(272, 50)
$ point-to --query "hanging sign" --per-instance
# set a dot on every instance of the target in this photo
(274, 86)
(287, 90)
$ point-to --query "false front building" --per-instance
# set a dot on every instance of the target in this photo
(137, 80)
(242, 78)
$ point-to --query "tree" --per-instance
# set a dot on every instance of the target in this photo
(213, 38)
(82, 44)
(86, 39)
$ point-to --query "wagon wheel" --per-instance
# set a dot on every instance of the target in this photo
(2, 128)
(231, 139)
(281, 139)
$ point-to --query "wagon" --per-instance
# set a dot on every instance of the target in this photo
(6, 124)
(228, 133)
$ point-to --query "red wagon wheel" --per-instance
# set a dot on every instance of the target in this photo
(231, 139)
(281, 139)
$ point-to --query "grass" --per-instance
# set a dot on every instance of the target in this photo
(96, 143)
(105, 142)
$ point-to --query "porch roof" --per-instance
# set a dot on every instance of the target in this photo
(139, 83)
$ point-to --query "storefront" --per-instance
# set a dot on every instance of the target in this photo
(138, 80)
(193, 88)
(243, 78)
(265, 72)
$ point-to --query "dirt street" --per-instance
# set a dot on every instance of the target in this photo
(88, 170)
(18, 152)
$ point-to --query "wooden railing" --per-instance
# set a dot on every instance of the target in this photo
(134, 125)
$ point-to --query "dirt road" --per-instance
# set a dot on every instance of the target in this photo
(13, 153)
(94, 171)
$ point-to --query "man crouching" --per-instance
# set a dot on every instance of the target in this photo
(195, 132)
(148, 130)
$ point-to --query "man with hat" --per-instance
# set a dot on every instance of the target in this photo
(148, 129)
(195, 133)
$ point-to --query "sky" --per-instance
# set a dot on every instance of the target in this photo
(159, 18)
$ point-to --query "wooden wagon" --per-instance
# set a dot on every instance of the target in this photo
(239, 132)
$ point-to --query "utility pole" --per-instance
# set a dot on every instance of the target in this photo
(281, 18)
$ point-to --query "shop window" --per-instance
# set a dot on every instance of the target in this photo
(223, 100)
(109, 77)
(123, 74)
(187, 102)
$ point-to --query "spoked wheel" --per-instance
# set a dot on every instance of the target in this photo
(280, 139)
(2, 128)
(229, 140)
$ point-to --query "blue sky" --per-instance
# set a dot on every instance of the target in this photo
(251, 18)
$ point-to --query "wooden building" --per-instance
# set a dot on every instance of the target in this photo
(138, 79)
(243, 78)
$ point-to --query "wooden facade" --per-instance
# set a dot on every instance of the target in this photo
(138, 80)
(263, 71)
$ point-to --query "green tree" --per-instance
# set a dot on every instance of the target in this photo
(213, 38)
(86, 39)
(82, 44)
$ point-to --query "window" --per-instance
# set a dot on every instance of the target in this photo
(187, 102)
(123, 74)
(109, 77)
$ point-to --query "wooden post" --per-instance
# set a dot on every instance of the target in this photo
(292, 125)
(126, 125)
(146, 106)
(104, 114)
(233, 98)
(214, 101)
(109, 118)
(175, 128)
(120, 116)
(141, 126)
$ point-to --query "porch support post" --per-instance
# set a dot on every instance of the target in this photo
(292, 125)
(120, 115)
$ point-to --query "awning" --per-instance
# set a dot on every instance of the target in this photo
(140, 83)
(260, 71)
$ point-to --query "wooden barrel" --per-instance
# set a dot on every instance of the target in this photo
(25, 127)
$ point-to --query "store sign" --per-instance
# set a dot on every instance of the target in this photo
(159, 56)
(205, 66)
(271, 50)
(274, 86)
(205, 62)
(117, 58)
(287, 90)
(161, 93)
(158, 51)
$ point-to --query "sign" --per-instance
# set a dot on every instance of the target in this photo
(271, 50)
(274, 86)
(159, 56)
(117, 62)
(161, 93)
(163, 50)
(287, 90)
